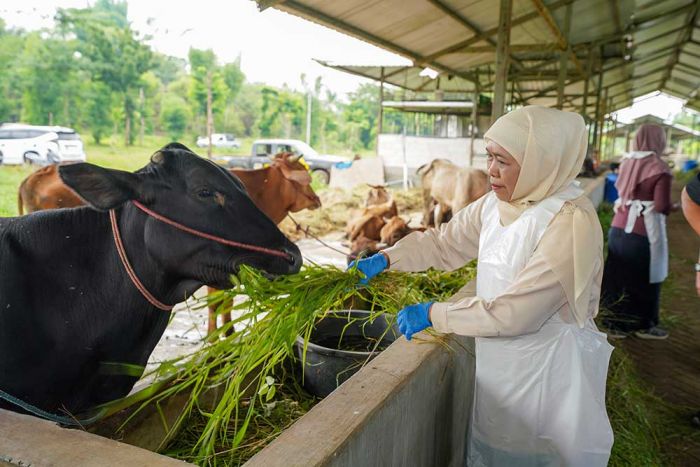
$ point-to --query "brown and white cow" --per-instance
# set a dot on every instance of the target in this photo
(447, 187)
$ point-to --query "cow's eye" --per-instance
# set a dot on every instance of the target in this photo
(205, 193)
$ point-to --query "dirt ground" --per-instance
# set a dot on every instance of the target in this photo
(672, 367)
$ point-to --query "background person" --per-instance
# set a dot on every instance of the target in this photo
(637, 261)
(690, 202)
(541, 363)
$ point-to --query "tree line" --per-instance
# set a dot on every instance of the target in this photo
(93, 72)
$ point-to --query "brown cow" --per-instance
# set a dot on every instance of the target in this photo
(447, 187)
(44, 189)
(363, 247)
(378, 194)
(282, 188)
(277, 190)
(394, 230)
(380, 202)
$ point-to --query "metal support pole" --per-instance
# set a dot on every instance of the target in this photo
(499, 88)
(603, 111)
(596, 127)
(563, 57)
(475, 118)
(380, 117)
(589, 65)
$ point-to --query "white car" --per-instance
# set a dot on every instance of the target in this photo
(219, 140)
(32, 144)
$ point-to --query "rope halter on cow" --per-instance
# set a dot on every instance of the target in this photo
(130, 270)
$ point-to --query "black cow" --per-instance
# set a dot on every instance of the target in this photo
(67, 306)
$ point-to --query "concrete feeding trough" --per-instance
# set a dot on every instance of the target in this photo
(409, 406)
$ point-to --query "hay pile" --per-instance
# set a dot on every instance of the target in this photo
(338, 205)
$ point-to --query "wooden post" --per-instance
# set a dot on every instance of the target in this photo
(614, 137)
(475, 117)
(380, 118)
(563, 57)
(589, 65)
(694, 140)
(499, 88)
(603, 111)
(627, 139)
(596, 127)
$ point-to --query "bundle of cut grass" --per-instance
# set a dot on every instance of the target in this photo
(243, 369)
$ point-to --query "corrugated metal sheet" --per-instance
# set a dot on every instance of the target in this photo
(638, 45)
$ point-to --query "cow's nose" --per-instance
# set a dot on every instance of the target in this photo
(294, 259)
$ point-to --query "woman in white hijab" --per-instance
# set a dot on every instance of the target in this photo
(541, 363)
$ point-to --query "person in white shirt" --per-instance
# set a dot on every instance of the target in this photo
(541, 363)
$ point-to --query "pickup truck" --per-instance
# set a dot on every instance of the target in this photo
(263, 150)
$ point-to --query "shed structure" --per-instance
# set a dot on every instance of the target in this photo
(588, 56)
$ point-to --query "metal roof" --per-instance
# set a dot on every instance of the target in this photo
(636, 46)
(432, 107)
(406, 77)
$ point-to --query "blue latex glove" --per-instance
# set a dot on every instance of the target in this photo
(414, 318)
(370, 267)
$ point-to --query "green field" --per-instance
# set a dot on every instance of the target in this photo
(114, 156)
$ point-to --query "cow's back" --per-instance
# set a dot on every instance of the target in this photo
(44, 189)
(444, 183)
(456, 188)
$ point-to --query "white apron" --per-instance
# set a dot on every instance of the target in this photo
(539, 398)
(655, 225)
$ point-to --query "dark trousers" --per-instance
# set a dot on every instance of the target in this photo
(629, 301)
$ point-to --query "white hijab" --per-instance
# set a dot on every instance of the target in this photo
(550, 146)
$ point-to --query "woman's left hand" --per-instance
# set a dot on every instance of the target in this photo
(414, 318)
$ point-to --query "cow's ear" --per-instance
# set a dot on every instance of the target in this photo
(101, 188)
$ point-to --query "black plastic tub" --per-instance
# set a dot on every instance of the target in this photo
(339, 345)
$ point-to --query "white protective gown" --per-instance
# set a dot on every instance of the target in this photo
(539, 396)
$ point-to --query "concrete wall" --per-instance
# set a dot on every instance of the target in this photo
(594, 188)
(421, 150)
(409, 406)
(30, 441)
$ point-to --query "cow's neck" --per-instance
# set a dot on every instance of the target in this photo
(164, 285)
(86, 237)
(264, 188)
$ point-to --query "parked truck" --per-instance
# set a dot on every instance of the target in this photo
(264, 149)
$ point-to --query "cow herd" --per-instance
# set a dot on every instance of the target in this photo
(446, 188)
(86, 287)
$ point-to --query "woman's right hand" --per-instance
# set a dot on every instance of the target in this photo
(371, 266)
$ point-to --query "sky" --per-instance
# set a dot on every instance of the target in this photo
(275, 48)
